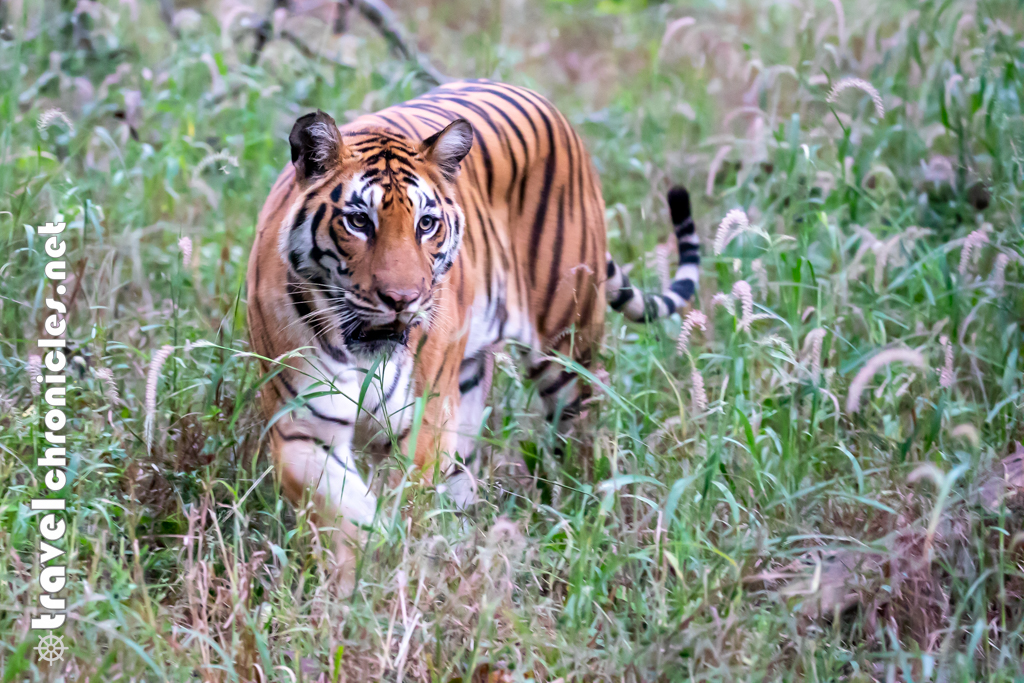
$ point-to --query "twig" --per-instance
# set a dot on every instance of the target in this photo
(341, 17)
(167, 14)
(264, 31)
(307, 51)
(381, 16)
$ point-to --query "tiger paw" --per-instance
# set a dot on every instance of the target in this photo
(460, 489)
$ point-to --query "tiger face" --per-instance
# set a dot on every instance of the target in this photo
(375, 228)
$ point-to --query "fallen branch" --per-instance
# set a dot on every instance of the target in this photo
(264, 32)
(167, 14)
(378, 14)
(307, 51)
(381, 16)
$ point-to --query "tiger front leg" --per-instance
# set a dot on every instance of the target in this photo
(438, 437)
(343, 500)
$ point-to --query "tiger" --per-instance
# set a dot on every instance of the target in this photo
(395, 253)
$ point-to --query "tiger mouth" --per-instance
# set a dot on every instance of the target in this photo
(380, 337)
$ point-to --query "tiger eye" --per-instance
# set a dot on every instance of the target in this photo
(359, 221)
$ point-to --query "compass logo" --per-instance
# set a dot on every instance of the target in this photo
(51, 648)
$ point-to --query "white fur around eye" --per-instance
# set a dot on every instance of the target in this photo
(424, 205)
(372, 195)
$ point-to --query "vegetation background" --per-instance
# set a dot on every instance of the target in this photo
(771, 500)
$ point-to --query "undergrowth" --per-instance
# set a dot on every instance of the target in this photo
(764, 501)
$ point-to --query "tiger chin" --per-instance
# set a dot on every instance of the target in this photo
(412, 243)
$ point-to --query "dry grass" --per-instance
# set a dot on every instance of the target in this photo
(776, 500)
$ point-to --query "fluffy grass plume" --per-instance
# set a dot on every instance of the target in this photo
(698, 395)
(947, 375)
(693, 319)
(156, 364)
(970, 249)
(863, 86)
(52, 116)
(185, 246)
(741, 292)
(812, 351)
(873, 366)
(734, 223)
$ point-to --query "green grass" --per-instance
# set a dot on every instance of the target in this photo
(774, 536)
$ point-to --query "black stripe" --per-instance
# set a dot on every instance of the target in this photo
(684, 288)
(497, 92)
(394, 385)
(320, 331)
(488, 166)
(623, 297)
(481, 221)
(422, 103)
(415, 131)
(545, 196)
(471, 383)
(538, 370)
(399, 127)
(344, 465)
(529, 119)
(522, 141)
(556, 253)
(685, 228)
(564, 378)
(295, 437)
(313, 411)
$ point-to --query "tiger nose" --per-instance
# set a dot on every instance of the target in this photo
(398, 299)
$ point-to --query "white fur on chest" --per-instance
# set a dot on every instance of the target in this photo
(488, 326)
(380, 402)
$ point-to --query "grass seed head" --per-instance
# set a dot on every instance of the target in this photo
(812, 351)
(51, 116)
(973, 242)
(946, 374)
(33, 368)
(698, 395)
(185, 245)
(741, 290)
(876, 363)
(968, 432)
(735, 218)
(857, 84)
(156, 364)
(110, 388)
(693, 319)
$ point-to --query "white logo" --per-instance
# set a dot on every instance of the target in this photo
(51, 648)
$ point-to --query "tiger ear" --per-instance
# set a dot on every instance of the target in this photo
(448, 147)
(316, 145)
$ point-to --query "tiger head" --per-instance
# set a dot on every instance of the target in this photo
(376, 225)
